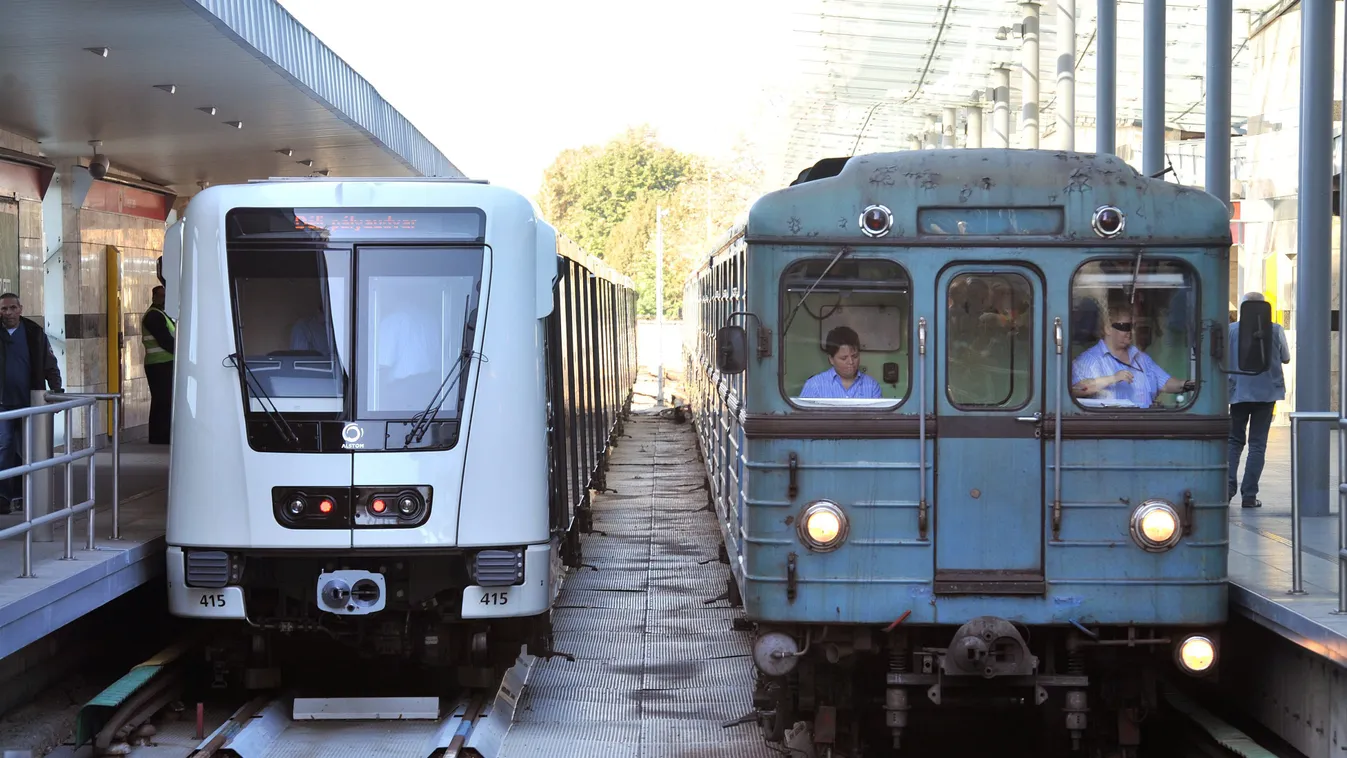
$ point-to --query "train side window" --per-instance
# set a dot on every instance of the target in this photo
(989, 341)
(1134, 334)
(827, 315)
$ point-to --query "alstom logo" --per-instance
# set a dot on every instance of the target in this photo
(352, 434)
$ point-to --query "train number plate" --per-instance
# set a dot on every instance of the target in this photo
(212, 600)
(494, 597)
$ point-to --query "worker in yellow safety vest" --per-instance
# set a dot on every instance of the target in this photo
(158, 334)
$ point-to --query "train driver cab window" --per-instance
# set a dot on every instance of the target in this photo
(845, 334)
(417, 313)
(1134, 334)
(293, 327)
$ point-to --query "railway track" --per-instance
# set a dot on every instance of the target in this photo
(141, 716)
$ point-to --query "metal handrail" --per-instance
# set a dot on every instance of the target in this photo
(56, 404)
(1297, 573)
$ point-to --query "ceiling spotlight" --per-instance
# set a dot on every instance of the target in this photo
(101, 52)
(323, 171)
(287, 152)
(305, 162)
(209, 110)
(235, 124)
(169, 88)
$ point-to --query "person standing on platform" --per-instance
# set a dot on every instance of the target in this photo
(26, 362)
(1252, 399)
(158, 334)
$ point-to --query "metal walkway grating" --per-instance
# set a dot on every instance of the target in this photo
(657, 670)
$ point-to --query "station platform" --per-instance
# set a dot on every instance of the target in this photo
(62, 591)
(1260, 559)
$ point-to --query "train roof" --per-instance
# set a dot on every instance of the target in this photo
(825, 203)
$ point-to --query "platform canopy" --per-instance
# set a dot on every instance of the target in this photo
(876, 69)
(188, 91)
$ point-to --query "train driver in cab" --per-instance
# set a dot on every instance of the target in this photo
(843, 380)
(1118, 373)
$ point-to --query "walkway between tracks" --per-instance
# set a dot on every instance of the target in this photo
(657, 669)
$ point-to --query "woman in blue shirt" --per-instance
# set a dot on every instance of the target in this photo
(843, 380)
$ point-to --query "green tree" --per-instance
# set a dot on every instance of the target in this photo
(606, 198)
(586, 193)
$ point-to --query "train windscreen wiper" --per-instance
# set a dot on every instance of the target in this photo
(256, 390)
(421, 422)
(1136, 274)
(820, 278)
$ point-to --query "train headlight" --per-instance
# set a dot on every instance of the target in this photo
(1155, 526)
(1196, 654)
(823, 526)
(296, 506)
(407, 505)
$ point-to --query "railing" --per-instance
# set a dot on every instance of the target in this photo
(37, 441)
(1297, 572)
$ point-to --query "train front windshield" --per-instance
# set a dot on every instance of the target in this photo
(404, 344)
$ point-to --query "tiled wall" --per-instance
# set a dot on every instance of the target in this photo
(140, 242)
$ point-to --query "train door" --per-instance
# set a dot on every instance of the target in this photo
(989, 401)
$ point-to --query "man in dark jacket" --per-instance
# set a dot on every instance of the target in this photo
(158, 333)
(26, 363)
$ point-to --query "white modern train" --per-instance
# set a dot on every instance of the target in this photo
(392, 398)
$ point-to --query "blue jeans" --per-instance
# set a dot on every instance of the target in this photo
(1258, 418)
(11, 455)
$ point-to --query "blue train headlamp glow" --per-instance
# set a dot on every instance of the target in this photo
(823, 526)
(1196, 654)
(1155, 526)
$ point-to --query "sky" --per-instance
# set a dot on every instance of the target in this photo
(502, 88)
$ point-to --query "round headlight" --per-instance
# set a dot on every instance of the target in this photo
(823, 526)
(1155, 525)
(1196, 654)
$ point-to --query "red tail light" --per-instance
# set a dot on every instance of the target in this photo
(378, 506)
(325, 506)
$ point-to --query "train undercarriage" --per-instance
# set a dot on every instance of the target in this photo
(855, 691)
(399, 615)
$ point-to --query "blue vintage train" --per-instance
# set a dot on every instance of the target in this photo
(963, 414)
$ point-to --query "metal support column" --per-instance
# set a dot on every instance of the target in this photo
(1029, 68)
(1066, 74)
(1342, 357)
(1313, 266)
(948, 120)
(1219, 15)
(1106, 87)
(659, 304)
(1153, 87)
(1001, 107)
(975, 125)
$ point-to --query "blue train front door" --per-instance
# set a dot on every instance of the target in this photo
(988, 512)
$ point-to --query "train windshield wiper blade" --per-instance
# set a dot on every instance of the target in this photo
(256, 390)
(421, 421)
(820, 278)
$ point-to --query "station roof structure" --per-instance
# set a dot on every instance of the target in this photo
(187, 91)
(875, 69)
